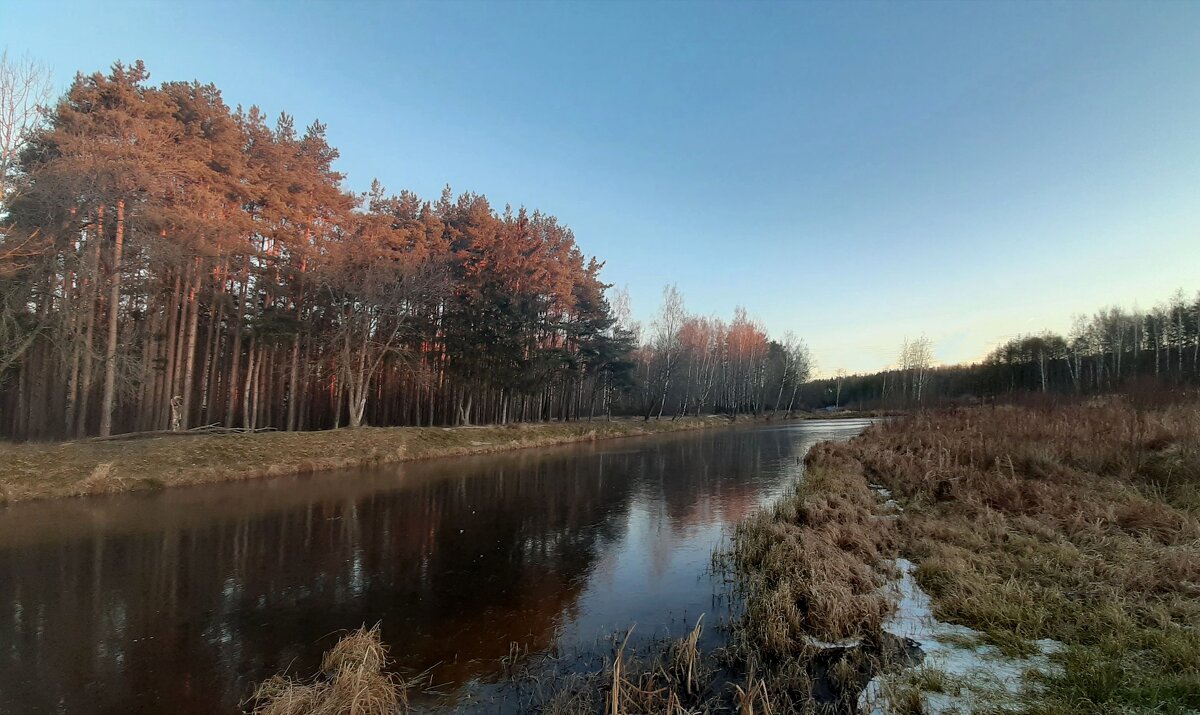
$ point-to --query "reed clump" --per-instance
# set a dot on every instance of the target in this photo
(353, 681)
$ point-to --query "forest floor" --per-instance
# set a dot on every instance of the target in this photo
(47, 470)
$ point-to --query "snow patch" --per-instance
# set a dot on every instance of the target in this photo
(970, 676)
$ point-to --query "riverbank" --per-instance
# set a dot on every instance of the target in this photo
(31, 471)
(1010, 559)
(1056, 552)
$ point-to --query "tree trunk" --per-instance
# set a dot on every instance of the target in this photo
(73, 369)
(110, 354)
(247, 418)
(85, 388)
(293, 384)
(179, 341)
(236, 352)
(189, 358)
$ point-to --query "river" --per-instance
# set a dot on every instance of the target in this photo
(180, 601)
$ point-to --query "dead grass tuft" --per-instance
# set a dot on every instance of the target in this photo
(671, 683)
(353, 681)
(754, 699)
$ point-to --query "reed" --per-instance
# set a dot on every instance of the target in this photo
(353, 681)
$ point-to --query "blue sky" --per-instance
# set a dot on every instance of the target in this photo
(855, 172)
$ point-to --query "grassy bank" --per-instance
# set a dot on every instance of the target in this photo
(39, 471)
(1075, 524)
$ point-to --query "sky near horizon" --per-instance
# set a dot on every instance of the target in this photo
(854, 172)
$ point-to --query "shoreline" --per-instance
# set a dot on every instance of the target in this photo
(960, 559)
(1020, 535)
(40, 471)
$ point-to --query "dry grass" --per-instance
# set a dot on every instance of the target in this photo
(1078, 524)
(811, 567)
(38, 471)
(353, 681)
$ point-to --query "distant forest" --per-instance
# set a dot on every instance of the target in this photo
(1112, 351)
(167, 262)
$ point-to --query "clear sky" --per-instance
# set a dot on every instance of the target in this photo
(855, 172)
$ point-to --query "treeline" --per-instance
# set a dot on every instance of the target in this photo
(1114, 350)
(168, 262)
(689, 364)
(187, 264)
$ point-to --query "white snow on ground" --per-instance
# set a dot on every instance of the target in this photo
(889, 508)
(968, 675)
(881, 491)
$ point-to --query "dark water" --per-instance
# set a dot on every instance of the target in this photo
(180, 601)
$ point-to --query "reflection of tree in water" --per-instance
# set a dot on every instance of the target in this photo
(464, 557)
(456, 568)
(717, 477)
(723, 470)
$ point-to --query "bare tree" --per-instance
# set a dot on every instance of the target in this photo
(667, 325)
(795, 367)
(786, 366)
(802, 368)
(622, 310)
(24, 90)
(916, 357)
(372, 294)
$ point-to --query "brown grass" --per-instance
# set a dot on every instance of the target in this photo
(38, 471)
(1078, 524)
(671, 683)
(811, 567)
(353, 681)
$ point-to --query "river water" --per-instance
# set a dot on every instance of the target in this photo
(180, 601)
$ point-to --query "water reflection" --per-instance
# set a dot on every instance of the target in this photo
(180, 601)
